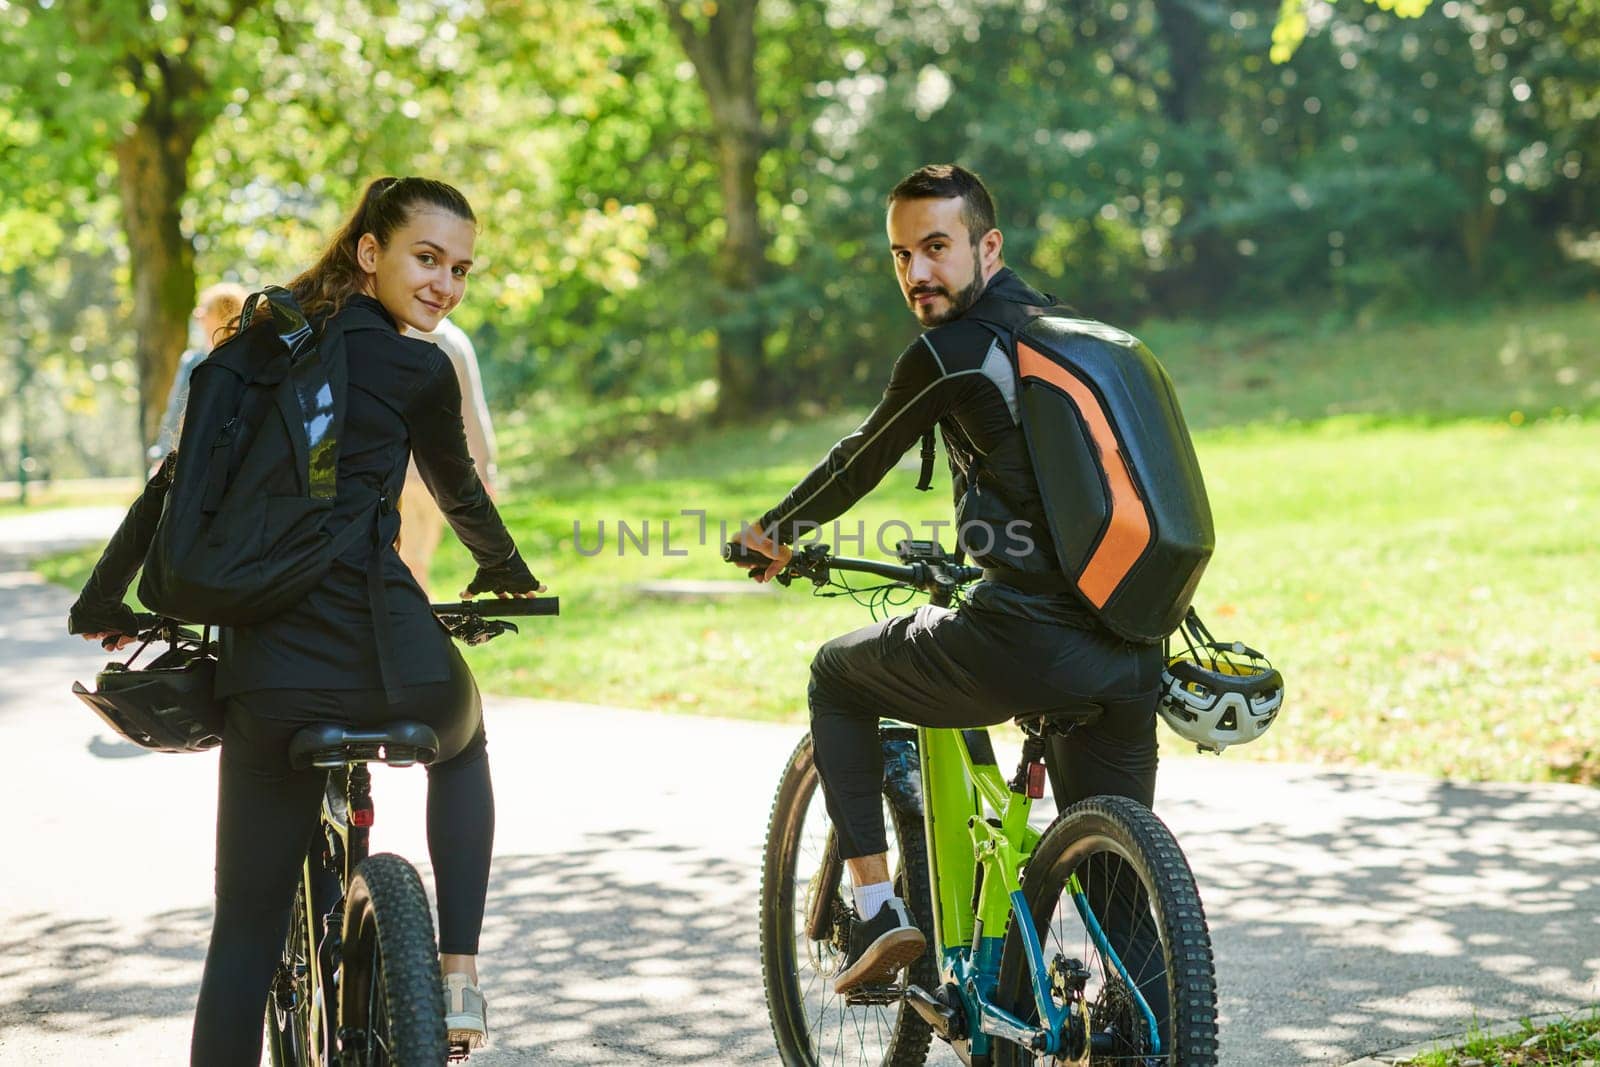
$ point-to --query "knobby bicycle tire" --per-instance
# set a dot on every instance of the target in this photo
(391, 998)
(1143, 894)
(810, 1023)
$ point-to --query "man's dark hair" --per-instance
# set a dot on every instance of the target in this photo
(941, 181)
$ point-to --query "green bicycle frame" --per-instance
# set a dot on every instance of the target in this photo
(960, 782)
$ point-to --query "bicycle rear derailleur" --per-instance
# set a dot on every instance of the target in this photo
(1067, 980)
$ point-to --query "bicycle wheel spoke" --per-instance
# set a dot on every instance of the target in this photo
(1109, 865)
(376, 1016)
(812, 1024)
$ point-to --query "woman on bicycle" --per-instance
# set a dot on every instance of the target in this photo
(401, 261)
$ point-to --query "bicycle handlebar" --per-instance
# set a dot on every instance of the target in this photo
(467, 620)
(474, 622)
(815, 563)
(501, 607)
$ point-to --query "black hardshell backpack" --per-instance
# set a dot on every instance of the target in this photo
(1118, 476)
(242, 535)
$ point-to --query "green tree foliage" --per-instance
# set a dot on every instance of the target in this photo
(662, 209)
(242, 132)
(1294, 20)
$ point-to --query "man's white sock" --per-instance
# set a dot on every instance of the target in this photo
(871, 898)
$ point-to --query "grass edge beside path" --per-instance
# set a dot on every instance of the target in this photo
(1558, 1039)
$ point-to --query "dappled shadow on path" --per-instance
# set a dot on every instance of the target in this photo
(1351, 913)
(629, 949)
(1348, 920)
(97, 977)
(624, 949)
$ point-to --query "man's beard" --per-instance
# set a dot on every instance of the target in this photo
(959, 303)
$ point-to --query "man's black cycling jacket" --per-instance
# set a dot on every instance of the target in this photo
(957, 377)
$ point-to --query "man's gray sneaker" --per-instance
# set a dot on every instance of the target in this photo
(466, 1013)
(880, 947)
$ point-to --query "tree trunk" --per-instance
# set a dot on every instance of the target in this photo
(1185, 37)
(1477, 228)
(741, 268)
(724, 56)
(153, 177)
(1203, 278)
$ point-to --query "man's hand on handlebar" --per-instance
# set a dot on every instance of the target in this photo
(752, 538)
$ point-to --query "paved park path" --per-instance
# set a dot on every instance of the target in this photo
(1352, 912)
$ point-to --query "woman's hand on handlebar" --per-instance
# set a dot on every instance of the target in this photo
(753, 539)
(468, 593)
(111, 640)
(510, 578)
(113, 624)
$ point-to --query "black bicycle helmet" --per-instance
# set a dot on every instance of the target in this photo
(169, 704)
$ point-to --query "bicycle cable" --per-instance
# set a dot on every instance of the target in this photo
(875, 598)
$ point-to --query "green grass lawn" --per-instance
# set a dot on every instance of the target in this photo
(1406, 522)
(1571, 1042)
(1428, 592)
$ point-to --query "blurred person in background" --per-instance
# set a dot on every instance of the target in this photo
(421, 521)
(217, 307)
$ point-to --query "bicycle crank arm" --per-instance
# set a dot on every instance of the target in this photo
(997, 1022)
(940, 1017)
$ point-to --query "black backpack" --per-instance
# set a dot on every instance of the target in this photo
(243, 532)
(1118, 477)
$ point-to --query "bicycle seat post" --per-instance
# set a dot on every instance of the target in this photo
(358, 792)
(1029, 779)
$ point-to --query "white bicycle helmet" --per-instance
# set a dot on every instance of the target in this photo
(1217, 694)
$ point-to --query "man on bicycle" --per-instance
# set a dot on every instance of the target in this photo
(1023, 643)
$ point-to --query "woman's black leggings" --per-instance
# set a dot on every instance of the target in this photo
(267, 818)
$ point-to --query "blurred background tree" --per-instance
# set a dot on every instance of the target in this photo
(682, 203)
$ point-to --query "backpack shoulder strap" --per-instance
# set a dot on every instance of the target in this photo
(312, 402)
(1004, 318)
(288, 321)
(929, 452)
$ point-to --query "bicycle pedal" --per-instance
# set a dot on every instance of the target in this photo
(879, 994)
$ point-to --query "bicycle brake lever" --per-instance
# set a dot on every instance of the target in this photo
(475, 629)
(492, 628)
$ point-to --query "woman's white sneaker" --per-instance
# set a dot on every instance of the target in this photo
(466, 1012)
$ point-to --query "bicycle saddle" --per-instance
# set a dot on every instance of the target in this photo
(1061, 719)
(328, 744)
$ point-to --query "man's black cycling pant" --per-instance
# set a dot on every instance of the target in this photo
(267, 817)
(978, 668)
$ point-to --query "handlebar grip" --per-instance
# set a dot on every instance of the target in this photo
(736, 553)
(501, 607)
